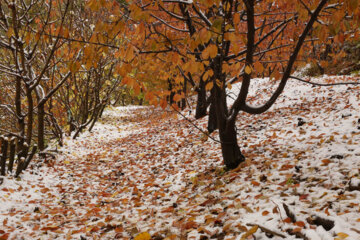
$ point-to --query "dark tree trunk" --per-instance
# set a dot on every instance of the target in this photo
(30, 116)
(201, 104)
(172, 93)
(41, 127)
(227, 132)
(12, 155)
(20, 117)
(212, 122)
(183, 101)
(230, 149)
(4, 150)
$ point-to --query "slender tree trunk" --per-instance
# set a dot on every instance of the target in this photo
(30, 116)
(201, 104)
(183, 101)
(3, 157)
(41, 127)
(230, 149)
(19, 115)
(212, 121)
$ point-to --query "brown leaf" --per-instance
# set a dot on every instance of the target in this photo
(255, 183)
(190, 225)
(4, 236)
(300, 224)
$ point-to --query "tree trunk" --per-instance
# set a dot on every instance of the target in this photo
(41, 127)
(201, 104)
(183, 101)
(212, 121)
(230, 149)
(30, 116)
(19, 115)
(4, 150)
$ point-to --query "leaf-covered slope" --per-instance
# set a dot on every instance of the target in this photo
(145, 172)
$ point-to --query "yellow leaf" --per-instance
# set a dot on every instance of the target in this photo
(342, 235)
(259, 68)
(10, 32)
(115, 193)
(129, 54)
(209, 86)
(66, 161)
(250, 232)
(230, 37)
(177, 97)
(143, 236)
(210, 51)
(208, 74)
(205, 35)
(248, 70)
(213, 51)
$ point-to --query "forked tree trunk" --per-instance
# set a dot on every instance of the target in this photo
(231, 152)
(230, 149)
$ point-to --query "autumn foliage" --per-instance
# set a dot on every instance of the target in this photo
(210, 45)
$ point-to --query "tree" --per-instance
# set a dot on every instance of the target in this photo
(211, 45)
(93, 80)
(27, 62)
(43, 45)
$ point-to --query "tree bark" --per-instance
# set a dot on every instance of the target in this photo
(41, 127)
(19, 115)
(4, 150)
(201, 104)
(230, 149)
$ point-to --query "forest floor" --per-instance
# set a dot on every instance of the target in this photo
(145, 173)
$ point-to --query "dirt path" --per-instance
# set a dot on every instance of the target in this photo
(111, 183)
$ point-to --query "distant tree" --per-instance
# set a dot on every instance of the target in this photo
(48, 48)
(210, 45)
(27, 65)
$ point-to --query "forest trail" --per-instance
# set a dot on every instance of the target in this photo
(110, 182)
(144, 172)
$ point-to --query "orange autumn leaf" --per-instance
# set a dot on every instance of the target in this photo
(255, 183)
(300, 224)
(265, 213)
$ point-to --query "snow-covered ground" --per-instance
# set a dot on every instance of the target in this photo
(143, 170)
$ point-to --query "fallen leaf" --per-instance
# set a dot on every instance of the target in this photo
(143, 236)
(250, 232)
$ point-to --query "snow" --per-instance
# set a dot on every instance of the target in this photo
(146, 170)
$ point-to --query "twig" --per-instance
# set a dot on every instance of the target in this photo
(194, 125)
(289, 213)
(277, 206)
(266, 230)
(324, 84)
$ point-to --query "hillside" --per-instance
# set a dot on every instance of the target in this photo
(147, 172)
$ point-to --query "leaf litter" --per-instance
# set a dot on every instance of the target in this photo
(145, 173)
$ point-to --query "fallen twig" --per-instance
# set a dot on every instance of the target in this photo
(266, 230)
(289, 213)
